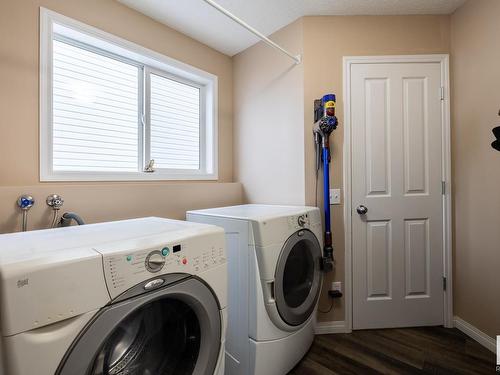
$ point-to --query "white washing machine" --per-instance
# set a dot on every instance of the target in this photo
(143, 296)
(274, 255)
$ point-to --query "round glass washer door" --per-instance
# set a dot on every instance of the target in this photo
(298, 277)
(161, 337)
(171, 331)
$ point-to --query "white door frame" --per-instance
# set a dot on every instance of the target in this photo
(443, 60)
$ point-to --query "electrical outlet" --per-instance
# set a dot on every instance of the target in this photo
(334, 196)
(337, 285)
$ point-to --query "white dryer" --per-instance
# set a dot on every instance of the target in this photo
(143, 296)
(274, 256)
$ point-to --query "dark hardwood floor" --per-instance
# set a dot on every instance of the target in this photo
(429, 350)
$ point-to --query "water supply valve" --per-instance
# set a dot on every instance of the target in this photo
(25, 202)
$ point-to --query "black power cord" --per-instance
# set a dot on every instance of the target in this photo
(329, 308)
(332, 294)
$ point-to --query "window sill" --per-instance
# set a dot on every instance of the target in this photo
(132, 176)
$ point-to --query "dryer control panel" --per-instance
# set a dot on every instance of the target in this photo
(129, 263)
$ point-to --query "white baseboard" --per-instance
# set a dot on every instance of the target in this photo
(476, 334)
(340, 326)
(325, 328)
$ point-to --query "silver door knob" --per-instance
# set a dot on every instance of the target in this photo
(362, 210)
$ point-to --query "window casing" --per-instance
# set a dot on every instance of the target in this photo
(109, 106)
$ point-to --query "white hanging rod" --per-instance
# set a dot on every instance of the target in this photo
(296, 58)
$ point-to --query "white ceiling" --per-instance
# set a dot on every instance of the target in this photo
(205, 24)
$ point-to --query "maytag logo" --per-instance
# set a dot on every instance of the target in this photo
(22, 282)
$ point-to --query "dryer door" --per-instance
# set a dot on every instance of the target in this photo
(298, 277)
(172, 330)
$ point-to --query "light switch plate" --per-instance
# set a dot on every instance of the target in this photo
(334, 196)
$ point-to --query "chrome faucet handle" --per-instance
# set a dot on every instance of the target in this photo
(55, 201)
(25, 202)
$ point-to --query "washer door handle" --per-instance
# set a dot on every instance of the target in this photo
(270, 292)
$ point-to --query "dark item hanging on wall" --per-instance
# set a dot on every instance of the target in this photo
(496, 143)
(496, 132)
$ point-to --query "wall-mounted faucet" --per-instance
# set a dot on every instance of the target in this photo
(25, 202)
(55, 202)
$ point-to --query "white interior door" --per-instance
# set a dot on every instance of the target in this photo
(396, 174)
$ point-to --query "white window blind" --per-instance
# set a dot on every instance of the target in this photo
(175, 124)
(95, 111)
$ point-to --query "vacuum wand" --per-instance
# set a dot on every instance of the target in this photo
(325, 123)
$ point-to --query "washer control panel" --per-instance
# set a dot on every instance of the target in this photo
(126, 264)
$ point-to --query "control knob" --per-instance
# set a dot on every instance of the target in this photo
(155, 261)
(301, 220)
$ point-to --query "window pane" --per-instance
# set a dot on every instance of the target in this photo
(175, 124)
(95, 111)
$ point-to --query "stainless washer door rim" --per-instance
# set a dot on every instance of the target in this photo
(192, 291)
(296, 316)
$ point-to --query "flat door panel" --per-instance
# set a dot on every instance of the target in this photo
(377, 137)
(378, 255)
(417, 258)
(396, 174)
(415, 132)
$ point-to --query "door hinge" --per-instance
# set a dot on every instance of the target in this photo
(442, 92)
(444, 282)
(443, 187)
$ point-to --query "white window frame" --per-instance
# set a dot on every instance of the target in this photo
(52, 23)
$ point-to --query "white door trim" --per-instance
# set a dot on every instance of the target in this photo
(443, 60)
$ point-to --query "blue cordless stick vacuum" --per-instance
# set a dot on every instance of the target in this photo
(325, 122)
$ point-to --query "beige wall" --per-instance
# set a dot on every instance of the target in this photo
(19, 151)
(104, 202)
(268, 113)
(471, 36)
(476, 166)
(325, 41)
